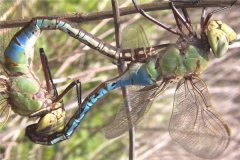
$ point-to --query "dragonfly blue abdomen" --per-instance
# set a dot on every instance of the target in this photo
(18, 55)
(136, 74)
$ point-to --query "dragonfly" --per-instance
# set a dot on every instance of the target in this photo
(194, 123)
(22, 91)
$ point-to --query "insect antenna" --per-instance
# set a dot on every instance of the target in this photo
(205, 20)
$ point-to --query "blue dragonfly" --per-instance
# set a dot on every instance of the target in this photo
(194, 123)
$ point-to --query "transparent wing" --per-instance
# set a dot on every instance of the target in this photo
(134, 36)
(4, 110)
(140, 102)
(194, 123)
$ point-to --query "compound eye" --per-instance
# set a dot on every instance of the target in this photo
(218, 42)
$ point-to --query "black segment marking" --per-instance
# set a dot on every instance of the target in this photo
(132, 81)
(78, 34)
(26, 34)
(113, 84)
(42, 22)
(17, 42)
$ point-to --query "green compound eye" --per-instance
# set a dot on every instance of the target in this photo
(219, 36)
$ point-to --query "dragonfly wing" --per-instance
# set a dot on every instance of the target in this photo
(4, 110)
(194, 122)
(140, 102)
(124, 120)
(134, 36)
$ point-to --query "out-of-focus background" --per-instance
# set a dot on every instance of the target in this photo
(71, 60)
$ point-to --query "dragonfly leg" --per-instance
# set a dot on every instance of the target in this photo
(203, 17)
(186, 15)
(49, 84)
(47, 73)
(56, 99)
(142, 12)
(179, 25)
(76, 83)
(177, 15)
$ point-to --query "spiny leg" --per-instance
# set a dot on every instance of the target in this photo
(141, 11)
(47, 73)
(203, 17)
(179, 25)
(186, 15)
(58, 99)
(69, 87)
(49, 83)
(184, 10)
(48, 78)
(177, 15)
(79, 94)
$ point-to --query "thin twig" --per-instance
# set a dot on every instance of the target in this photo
(121, 68)
(154, 6)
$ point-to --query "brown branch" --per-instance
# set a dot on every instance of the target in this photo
(154, 6)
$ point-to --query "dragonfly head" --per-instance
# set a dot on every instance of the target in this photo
(52, 122)
(219, 36)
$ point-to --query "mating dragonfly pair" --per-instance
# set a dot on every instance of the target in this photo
(194, 123)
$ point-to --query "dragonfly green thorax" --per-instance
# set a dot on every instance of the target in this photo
(190, 55)
(25, 94)
(176, 63)
(219, 36)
